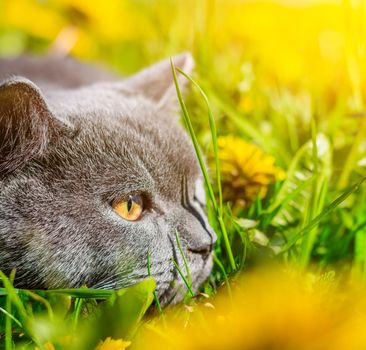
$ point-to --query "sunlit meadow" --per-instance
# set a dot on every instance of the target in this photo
(285, 83)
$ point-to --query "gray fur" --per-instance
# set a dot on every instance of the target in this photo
(68, 148)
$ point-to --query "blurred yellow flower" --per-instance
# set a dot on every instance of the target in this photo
(326, 43)
(269, 309)
(246, 170)
(112, 344)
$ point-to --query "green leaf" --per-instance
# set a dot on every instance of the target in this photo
(120, 316)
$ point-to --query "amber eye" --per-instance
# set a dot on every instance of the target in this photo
(130, 209)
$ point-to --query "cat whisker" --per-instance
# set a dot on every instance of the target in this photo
(116, 278)
(106, 286)
(113, 281)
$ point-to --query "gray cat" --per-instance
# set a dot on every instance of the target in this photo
(95, 174)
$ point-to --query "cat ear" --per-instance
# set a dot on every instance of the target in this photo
(26, 123)
(156, 82)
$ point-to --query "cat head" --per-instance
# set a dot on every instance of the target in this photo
(96, 178)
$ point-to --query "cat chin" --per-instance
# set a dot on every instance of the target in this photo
(175, 294)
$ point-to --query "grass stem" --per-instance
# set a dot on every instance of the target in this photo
(189, 277)
(184, 278)
(154, 292)
(218, 208)
(8, 320)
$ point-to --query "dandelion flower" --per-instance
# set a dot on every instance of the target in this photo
(246, 170)
(112, 344)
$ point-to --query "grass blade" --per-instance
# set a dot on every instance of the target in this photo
(11, 316)
(213, 136)
(82, 293)
(77, 308)
(359, 255)
(14, 297)
(154, 292)
(192, 134)
(17, 302)
(313, 223)
(8, 320)
(187, 119)
(183, 277)
(189, 277)
(41, 300)
(222, 269)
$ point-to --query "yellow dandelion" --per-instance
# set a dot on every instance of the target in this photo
(246, 170)
(112, 344)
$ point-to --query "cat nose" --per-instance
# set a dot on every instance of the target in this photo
(195, 227)
(206, 247)
(202, 250)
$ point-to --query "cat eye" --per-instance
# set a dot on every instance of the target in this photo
(129, 209)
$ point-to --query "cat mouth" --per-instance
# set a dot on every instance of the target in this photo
(169, 291)
(176, 289)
